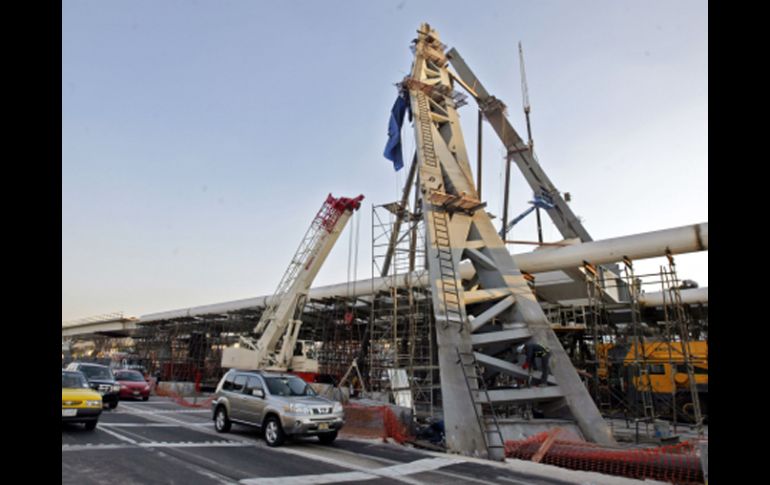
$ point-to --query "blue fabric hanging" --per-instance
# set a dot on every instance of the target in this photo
(393, 147)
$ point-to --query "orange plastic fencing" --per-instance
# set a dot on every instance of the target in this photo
(374, 422)
(181, 400)
(677, 463)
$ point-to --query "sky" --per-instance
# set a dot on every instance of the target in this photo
(199, 138)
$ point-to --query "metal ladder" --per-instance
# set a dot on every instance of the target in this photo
(644, 384)
(684, 335)
(450, 293)
(480, 417)
(428, 151)
(594, 290)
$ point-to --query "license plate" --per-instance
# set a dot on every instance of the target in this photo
(136, 393)
(69, 412)
(323, 426)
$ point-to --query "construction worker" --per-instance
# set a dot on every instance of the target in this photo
(534, 352)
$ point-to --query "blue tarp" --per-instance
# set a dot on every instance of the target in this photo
(393, 147)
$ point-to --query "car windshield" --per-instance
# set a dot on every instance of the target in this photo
(129, 376)
(73, 381)
(288, 386)
(94, 372)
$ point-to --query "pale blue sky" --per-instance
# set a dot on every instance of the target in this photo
(200, 137)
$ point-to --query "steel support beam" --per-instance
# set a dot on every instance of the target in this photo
(679, 240)
(562, 216)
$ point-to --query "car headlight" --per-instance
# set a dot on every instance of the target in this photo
(297, 408)
(115, 387)
(337, 407)
(93, 404)
(146, 387)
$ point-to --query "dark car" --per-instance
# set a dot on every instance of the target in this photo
(100, 379)
(132, 384)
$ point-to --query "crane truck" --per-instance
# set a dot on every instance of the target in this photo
(273, 346)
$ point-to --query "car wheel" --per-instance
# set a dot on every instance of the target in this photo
(113, 405)
(90, 425)
(145, 398)
(274, 435)
(221, 422)
(327, 438)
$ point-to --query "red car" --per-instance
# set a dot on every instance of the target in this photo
(132, 384)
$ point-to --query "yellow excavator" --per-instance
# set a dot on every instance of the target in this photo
(628, 370)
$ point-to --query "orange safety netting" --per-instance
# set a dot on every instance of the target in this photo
(181, 400)
(374, 422)
(677, 463)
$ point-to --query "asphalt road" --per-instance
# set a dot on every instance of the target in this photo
(159, 441)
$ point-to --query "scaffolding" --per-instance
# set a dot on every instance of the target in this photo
(677, 318)
(622, 349)
(599, 331)
(401, 335)
(336, 326)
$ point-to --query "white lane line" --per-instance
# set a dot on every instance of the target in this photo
(394, 472)
(455, 477)
(419, 466)
(287, 450)
(193, 444)
(156, 444)
(311, 479)
(151, 415)
(149, 425)
(335, 462)
(89, 447)
(138, 425)
(171, 411)
(145, 403)
(516, 482)
(118, 436)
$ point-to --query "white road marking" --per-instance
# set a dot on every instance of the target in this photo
(336, 461)
(156, 444)
(165, 418)
(173, 411)
(311, 479)
(138, 425)
(192, 444)
(395, 472)
(419, 466)
(213, 476)
(118, 436)
(455, 477)
(89, 446)
(149, 425)
(510, 480)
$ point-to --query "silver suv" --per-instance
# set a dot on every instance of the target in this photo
(280, 404)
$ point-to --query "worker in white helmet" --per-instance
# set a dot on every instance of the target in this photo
(536, 357)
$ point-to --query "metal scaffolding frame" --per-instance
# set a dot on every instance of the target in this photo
(401, 334)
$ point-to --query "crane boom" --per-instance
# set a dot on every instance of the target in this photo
(279, 322)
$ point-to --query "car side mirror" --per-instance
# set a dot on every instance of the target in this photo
(258, 393)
